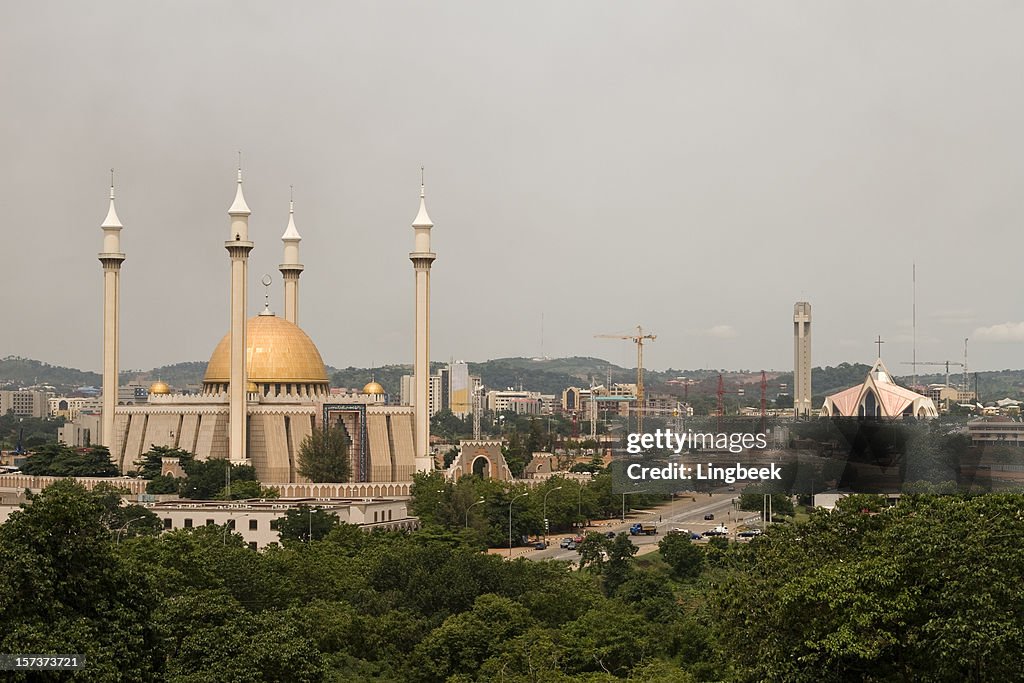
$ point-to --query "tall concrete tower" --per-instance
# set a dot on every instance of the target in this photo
(290, 268)
(238, 246)
(422, 258)
(111, 258)
(802, 359)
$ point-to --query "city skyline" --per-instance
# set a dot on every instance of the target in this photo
(595, 172)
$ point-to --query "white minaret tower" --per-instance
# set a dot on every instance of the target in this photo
(291, 268)
(802, 359)
(238, 246)
(111, 258)
(422, 258)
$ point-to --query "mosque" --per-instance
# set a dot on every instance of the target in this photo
(266, 387)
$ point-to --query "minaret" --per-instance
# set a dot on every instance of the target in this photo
(291, 268)
(111, 258)
(238, 246)
(421, 259)
(801, 359)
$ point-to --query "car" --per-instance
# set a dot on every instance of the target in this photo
(695, 536)
(571, 546)
(578, 539)
(714, 532)
(732, 488)
(709, 516)
(680, 530)
(540, 545)
(610, 534)
(749, 533)
(565, 543)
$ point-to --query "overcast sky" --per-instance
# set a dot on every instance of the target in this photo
(693, 167)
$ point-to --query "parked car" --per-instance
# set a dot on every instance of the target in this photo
(540, 545)
(749, 533)
(610, 534)
(695, 536)
(709, 516)
(715, 532)
(565, 543)
(571, 546)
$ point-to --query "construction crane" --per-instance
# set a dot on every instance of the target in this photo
(637, 339)
(947, 363)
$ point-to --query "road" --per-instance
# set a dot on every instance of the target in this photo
(684, 513)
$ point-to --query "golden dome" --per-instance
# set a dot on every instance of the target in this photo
(373, 388)
(159, 387)
(252, 388)
(277, 351)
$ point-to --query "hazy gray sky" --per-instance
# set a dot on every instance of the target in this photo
(694, 167)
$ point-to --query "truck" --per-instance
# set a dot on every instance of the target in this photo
(643, 530)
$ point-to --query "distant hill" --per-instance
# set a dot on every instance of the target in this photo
(23, 372)
(546, 375)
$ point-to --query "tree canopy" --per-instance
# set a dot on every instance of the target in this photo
(324, 455)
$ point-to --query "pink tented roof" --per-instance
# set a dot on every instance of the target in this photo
(845, 402)
(894, 398)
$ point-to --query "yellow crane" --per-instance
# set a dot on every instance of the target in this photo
(637, 339)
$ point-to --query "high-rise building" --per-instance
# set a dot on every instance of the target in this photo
(25, 403)
(459, 386)
(802, 359)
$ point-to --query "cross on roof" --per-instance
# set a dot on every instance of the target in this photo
(879, 342)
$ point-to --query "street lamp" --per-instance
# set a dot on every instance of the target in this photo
(624, 502)
(545, 509)
(579, 502)
(510, 522)
(230, 525)
(470, 508)
(125, 528)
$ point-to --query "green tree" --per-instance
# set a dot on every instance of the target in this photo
(464, 641)
(324, 455)
(679, 552)
(163, 484)
(216, 639)
(926, 590)
(305, 523)
(58, 460)
(63, 589)
(593, 552)
(246, 489)
(620, 563)
(150, 464)
(206, 479)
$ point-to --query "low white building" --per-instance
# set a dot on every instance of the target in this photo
(252, 518)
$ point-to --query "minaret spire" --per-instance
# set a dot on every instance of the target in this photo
(111, 257)
(238, 247)
(422, 258)
(290, 267)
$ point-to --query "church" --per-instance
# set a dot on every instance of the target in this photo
(878, 396)
(266, 386)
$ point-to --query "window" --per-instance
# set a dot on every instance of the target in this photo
(168, 523)
(209, 522)
(188, 523)
(252, 545)
(253, 525)
(231, 524)
(374, 517)
(389, 515)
